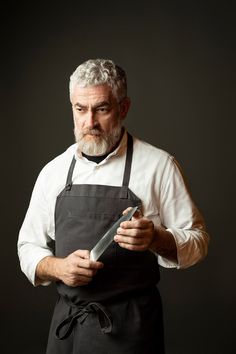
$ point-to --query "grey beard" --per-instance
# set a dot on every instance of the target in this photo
(101, 145)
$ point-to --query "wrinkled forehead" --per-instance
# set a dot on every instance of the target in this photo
(92, 94)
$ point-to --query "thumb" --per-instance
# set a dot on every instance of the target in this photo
(137, 215)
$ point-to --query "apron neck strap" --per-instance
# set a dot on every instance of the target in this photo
(70, 173)
(128, 162)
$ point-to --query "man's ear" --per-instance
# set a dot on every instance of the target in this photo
(124, 107)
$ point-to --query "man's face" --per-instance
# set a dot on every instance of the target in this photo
(97, 118)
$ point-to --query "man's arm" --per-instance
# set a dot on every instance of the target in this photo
(163, 243)
(139, 234)
(179, 237)
(74, 270)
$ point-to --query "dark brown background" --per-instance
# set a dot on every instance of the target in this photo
(180, 61)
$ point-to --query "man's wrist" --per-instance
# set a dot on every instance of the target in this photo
(163, 243)
(48, 269)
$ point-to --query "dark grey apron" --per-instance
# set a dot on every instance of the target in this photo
(119, 311)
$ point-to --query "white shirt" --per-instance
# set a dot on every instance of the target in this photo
(155, 178)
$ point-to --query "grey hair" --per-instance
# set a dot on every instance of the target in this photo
(98, 72)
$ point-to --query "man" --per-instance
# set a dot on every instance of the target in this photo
(111, 305)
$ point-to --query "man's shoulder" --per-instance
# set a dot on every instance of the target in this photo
(151, 151)
(60, 161)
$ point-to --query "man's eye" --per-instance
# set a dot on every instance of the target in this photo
(79, 109)
(103, 109)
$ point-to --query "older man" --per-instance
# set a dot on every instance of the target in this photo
(111, 305)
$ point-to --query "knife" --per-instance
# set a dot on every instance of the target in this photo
(108, 237)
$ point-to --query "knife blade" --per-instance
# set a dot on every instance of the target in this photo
(108, 237)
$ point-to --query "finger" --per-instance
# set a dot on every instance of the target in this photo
(88, 264)
(131, 247)
(129, 240)
(126, 210)
(133, 232)
(82, 253)
(95, 265)
(83, 260)
(140, 223)
(137, 215)
(84, 272)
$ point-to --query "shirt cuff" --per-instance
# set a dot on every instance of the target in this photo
(191, 247)
(30, 268)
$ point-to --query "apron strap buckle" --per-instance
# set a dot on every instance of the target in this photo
(68, 187)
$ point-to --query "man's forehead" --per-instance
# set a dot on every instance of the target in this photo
(93, 93)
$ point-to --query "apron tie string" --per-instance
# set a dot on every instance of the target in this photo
(65, 328)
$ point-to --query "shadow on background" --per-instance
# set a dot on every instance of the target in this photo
(180, 61)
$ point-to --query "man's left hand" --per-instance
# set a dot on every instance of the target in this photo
(136, 234)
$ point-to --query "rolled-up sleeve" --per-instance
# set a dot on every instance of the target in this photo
(180, 216)
(34, 236)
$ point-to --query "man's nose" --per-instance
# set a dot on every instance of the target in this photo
(90, 119)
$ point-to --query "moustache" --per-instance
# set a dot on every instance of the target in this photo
(93, 131)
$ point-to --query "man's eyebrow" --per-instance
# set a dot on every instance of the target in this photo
(99, 104)
(80, 105)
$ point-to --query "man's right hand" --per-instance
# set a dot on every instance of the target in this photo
(74, 270)
(77, 269)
